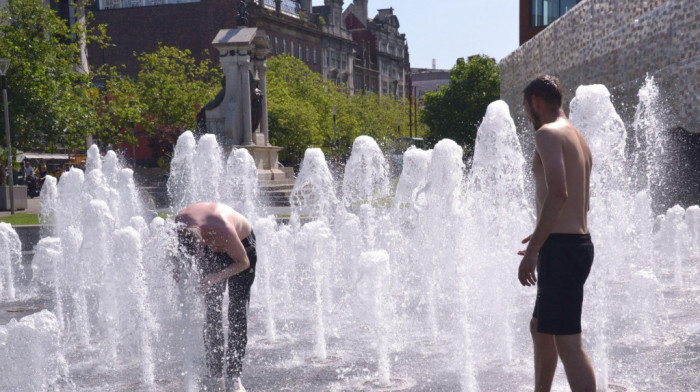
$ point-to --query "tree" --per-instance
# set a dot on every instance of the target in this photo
(163, 99)
(174, 87)
(301, 106)
(298, 107)
(50, 104)
(456, 110)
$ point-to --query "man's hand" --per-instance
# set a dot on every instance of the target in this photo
(208, 282)
(528, 265)
(526, 272)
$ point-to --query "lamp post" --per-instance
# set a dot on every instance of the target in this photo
(4, 64)
(335, 139)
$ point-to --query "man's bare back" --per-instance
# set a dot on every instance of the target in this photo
(577, 161)
(222, 229)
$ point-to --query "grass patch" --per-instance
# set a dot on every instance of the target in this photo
(21, 219)
(166, 214)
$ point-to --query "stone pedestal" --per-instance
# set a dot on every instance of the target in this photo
(20, 192)
(266, 160)
(243, 103)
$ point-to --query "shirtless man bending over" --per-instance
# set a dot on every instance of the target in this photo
(222, 243)
(560, 248)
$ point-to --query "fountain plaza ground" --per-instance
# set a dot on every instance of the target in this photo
(358, 296)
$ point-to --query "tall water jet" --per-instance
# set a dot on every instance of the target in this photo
(314, 193)
(98, 244)
(593, 114)
(413, 175)
(374, 273)
(673, 236)
(31, 358)
(366, 178)
(265, 233)
(407, 248)
(692, 217)
(365, 183)
(241, 183)
(135, 321)
(650, 138)
(129, 199)
(46, 266)
(182, 173)
(495, 188)
(10, 260)
(438, 212)
(93, 162)
(209, 168)
(49, 200)
(111, 168)
(316, 244)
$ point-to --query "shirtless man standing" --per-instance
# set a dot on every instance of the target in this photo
(560, 248)
(222, 243)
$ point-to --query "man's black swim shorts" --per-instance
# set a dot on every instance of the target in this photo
(563, 265)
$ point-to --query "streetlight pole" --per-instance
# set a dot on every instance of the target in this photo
(335, 139)
(4, 64)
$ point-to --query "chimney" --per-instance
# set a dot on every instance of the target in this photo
(361, 10)
(306, 6)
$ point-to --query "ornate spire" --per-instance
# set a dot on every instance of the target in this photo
(242, 14)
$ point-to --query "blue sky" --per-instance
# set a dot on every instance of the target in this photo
(448, 29)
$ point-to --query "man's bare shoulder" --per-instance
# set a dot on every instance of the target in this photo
(200, 214)
(548, 137)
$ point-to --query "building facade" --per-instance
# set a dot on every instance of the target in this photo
(425, 80)
(343, 45)
(536, 15)
(619, 43)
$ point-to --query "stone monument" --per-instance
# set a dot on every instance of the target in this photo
(238, 114)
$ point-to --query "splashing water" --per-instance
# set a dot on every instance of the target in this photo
(10, 259)
(412, 290)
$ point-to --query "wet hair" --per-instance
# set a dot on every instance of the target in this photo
(189, 240)
(547, 87)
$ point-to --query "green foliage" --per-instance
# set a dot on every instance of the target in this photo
(456, 110)
(174, 87)
(49, 99)
(301, 107)
(164, 99)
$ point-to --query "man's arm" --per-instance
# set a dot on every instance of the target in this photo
(551, 153)
(550, 150)
(229, 243)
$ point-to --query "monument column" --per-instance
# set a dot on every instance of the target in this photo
(247, 127)
(229, 64)
(261, 66)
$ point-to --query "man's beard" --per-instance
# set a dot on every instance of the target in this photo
(535, 119)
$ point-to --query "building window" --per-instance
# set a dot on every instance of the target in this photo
(545, 12)
(292, 45)
(315, 58)
(284, 46)
(277, 46)
(116, 4)
(308, 58)
(301, 53)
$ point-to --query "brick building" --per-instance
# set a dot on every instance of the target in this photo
(343, 45)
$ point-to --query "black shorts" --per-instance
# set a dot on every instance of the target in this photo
(563, 265)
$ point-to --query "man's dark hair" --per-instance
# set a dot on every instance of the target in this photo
(189, 240)
(546, 87)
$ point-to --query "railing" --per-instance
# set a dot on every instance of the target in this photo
(291, 7)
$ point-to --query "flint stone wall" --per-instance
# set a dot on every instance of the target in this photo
(616, 43)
